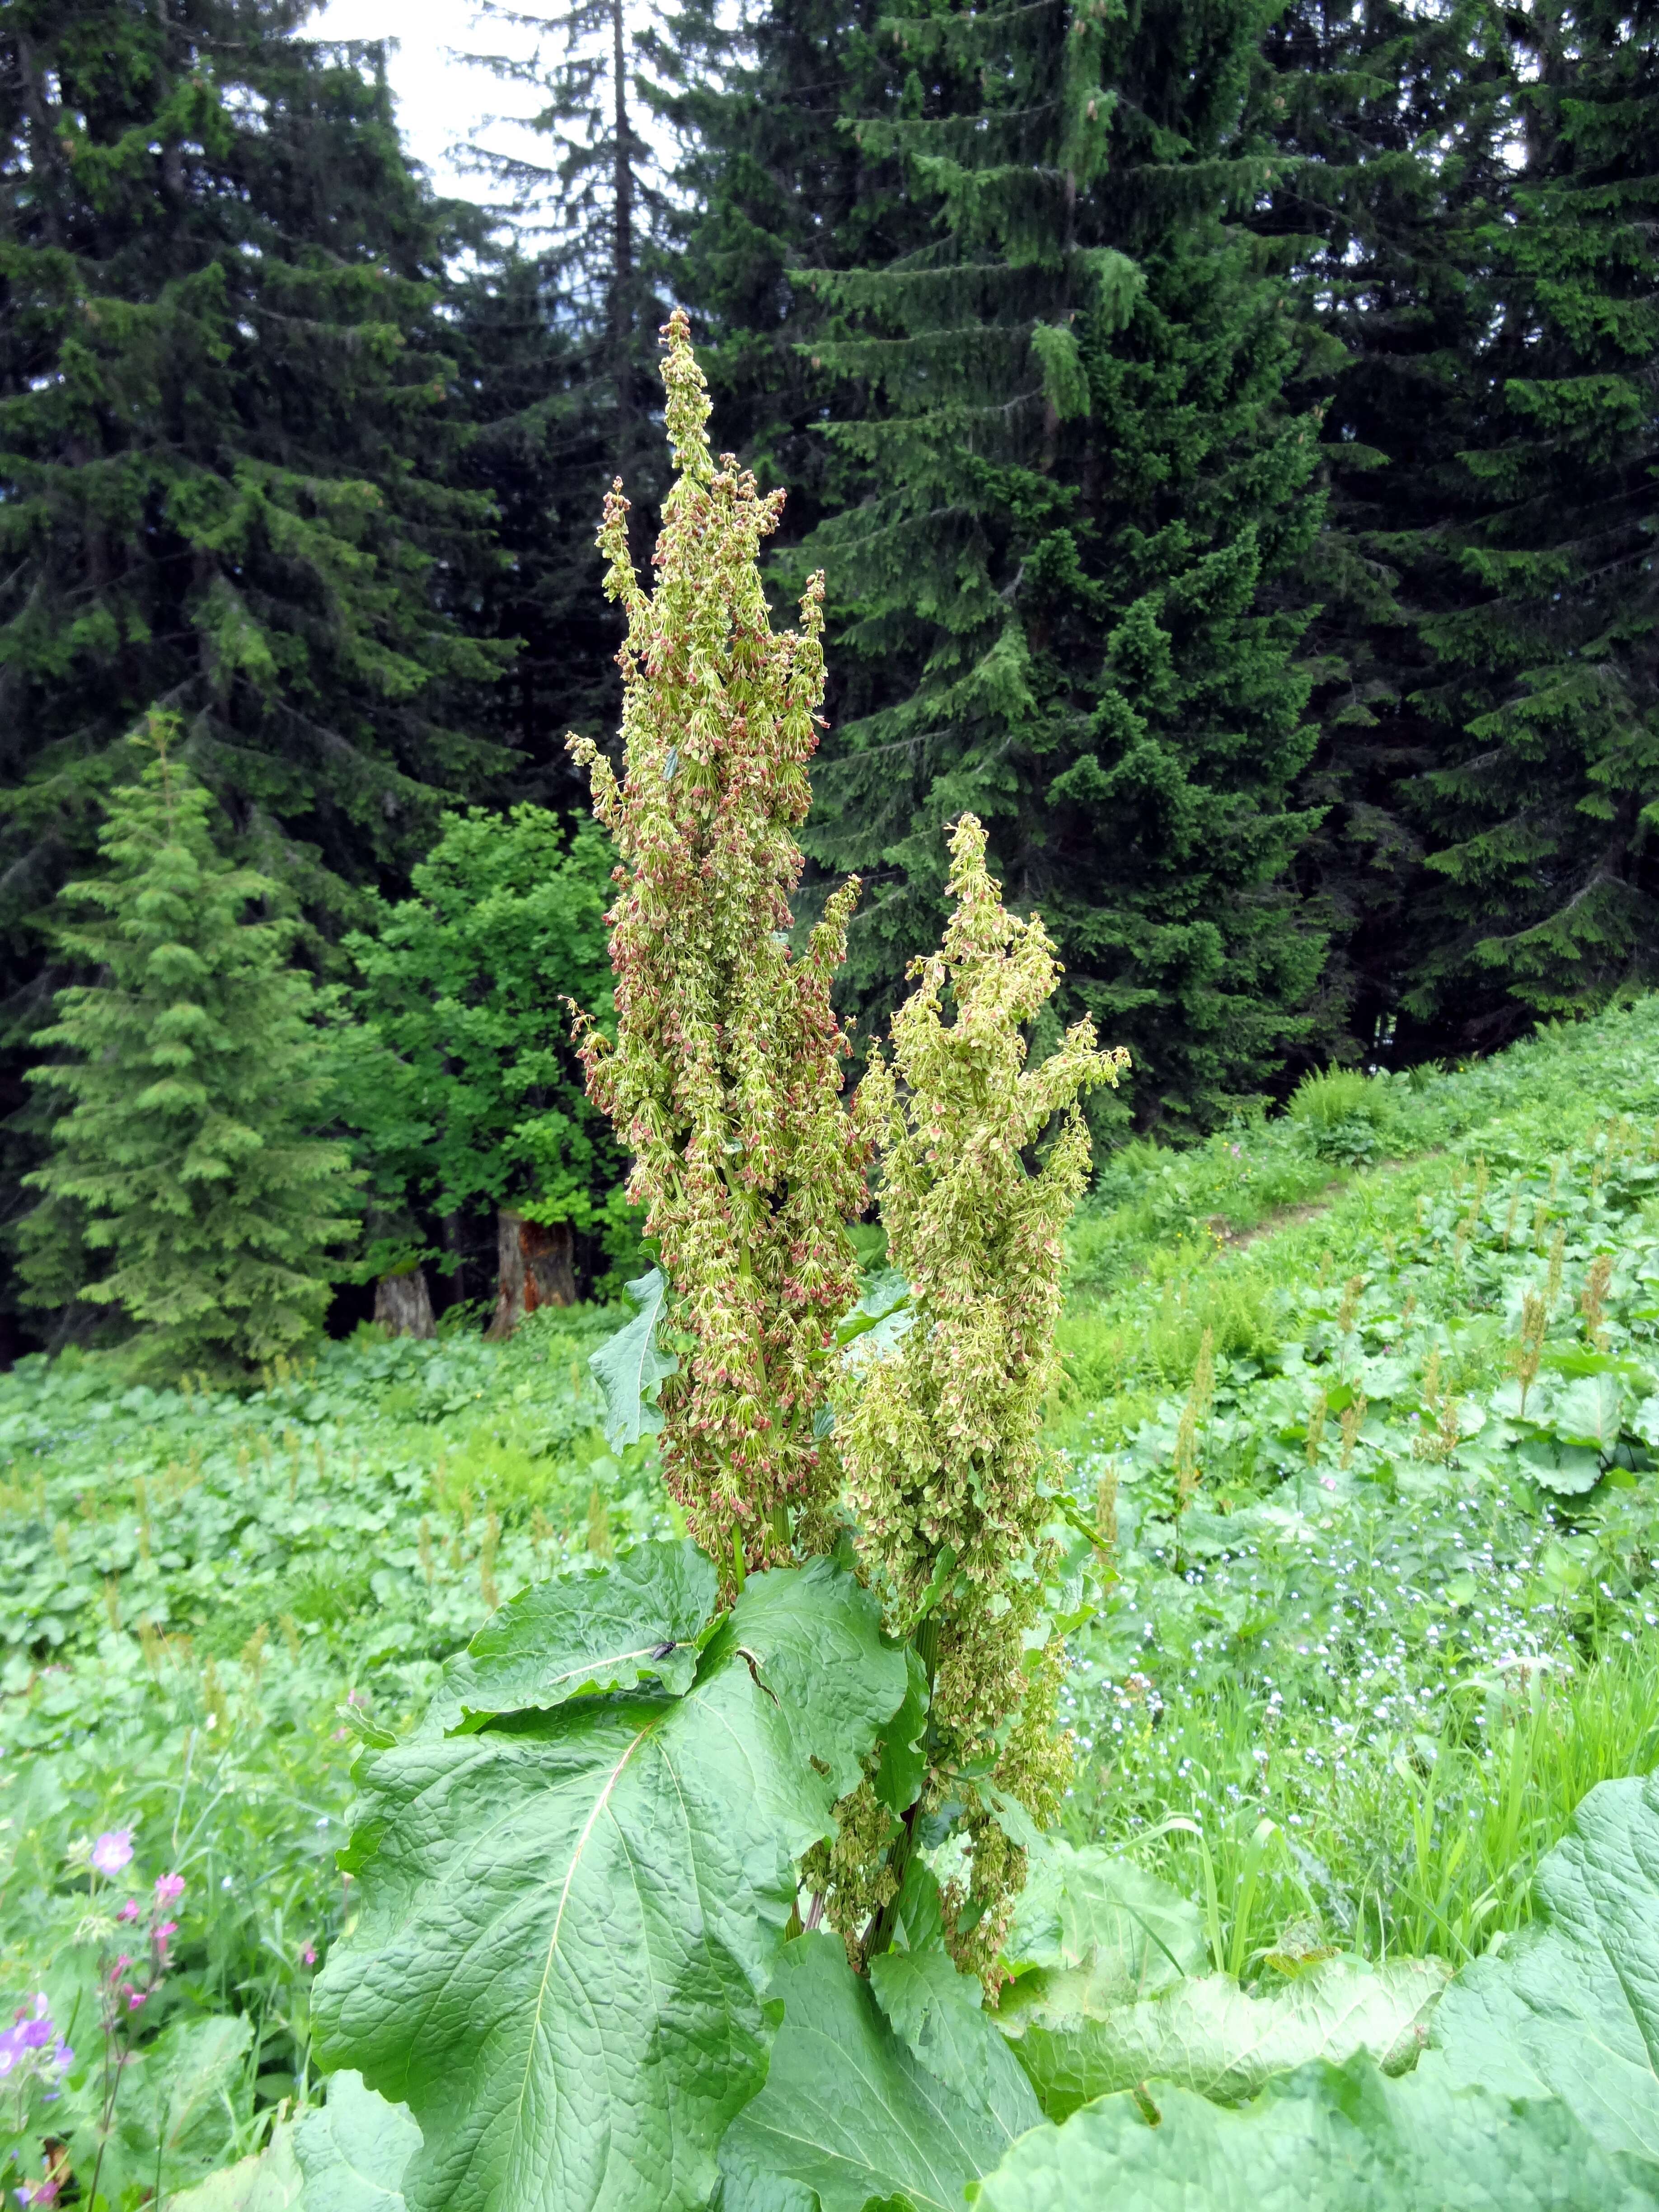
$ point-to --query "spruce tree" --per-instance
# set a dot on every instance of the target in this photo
(226, 440)
(589, 222)
(1072, 570)
(1543, 807)
(186, 1189)
(773, 188)
(535, 449)
(1391, 120)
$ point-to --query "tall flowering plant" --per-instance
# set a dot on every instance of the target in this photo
(725, 1081)
(590, 1953)
(945, 1463)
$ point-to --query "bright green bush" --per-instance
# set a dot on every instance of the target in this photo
(457, 1074)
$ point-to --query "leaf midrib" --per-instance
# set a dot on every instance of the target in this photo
(588, 1826)
(594, 1665)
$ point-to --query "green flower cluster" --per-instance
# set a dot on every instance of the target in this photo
(725, 1083)
(944, 1465)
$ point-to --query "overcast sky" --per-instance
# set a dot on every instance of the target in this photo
(440, 100)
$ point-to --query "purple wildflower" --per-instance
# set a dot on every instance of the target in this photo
(112, 1850)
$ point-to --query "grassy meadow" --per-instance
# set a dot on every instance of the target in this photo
(1354, 1455)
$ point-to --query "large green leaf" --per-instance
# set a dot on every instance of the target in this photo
(1590, 1413)
(635, 1619)
(270, 2181)
(1207, 2034)
(353, 2150)
(1569, 1470)
(814, 1634)
(883, 1315)
(629, 1367)
(1324, 2139)
(1572, 2004)
(849, 2114)
(1130, 1934)
(903, 1767)
(344, 2156)
(175, 2120)
(936, 2014)
(568, 1920)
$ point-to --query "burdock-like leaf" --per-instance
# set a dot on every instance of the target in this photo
(937, 2014)
(569, 1919)
(1127, 1933)
(630, 1365)
(1572, 2004)
(269, 2180)
(814, 1634)
(1207, 2034)
(636, 1619)
(850, 2114)
(353, 2152)
(1325, 2139)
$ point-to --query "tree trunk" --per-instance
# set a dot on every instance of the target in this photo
(535, 1269)
(402, 1303)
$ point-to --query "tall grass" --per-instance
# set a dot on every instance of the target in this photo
(1428, 1849)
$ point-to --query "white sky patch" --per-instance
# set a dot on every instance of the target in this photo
(441, 101)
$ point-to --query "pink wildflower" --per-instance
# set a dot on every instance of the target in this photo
(112, 1850)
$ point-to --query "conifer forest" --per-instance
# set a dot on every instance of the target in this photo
(830, 1110)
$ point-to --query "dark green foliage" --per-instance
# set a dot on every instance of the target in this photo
(1388, 120)
(1071, 576)
(456, 1071)
(1475, 191)
(224, 427)
(775, 188)
(595, 208)
(1542, 806)
(540, 449)
(185, 1188)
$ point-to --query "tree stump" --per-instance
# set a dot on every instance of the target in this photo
(402, 1303)
(537, 1269)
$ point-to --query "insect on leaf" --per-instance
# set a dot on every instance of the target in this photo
(581, 1633)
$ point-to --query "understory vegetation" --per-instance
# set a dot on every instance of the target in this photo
(1359, 1415)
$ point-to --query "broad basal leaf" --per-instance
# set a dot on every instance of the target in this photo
(1590, 1413)
(848, 2113)
(632, 1620)
(1325, 2139)
(1206, 2034)
(1130, 1933)
(568, 1920)
(1567, 1470)
(814, 1634)
(270, 2181)
(629, 1367)
(353, 2150)
(1572, 2004)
